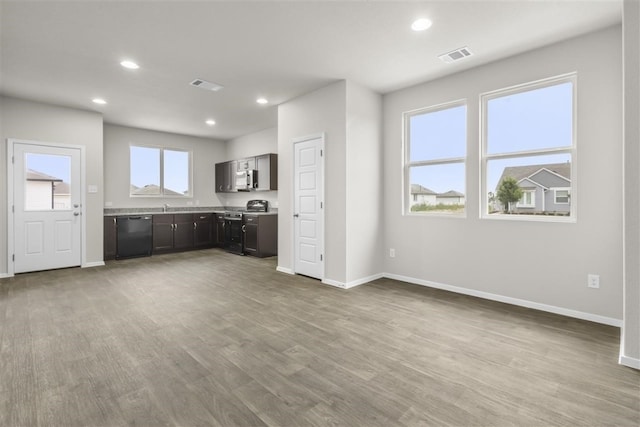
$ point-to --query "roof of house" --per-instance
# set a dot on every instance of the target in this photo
(451, 193)
(522, 172)
(61, 188)
(152, 189)
(419, 189)
(33, 175)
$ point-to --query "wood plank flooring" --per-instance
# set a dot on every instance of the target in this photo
(207, 338)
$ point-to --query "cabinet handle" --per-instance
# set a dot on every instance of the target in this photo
(114, 220)
(195, 225)
(244, 228)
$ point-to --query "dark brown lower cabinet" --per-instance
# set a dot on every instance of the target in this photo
(260, 235)
(110, 238)
(173, 232)
(203, 229)
(219, 232)
(183, 231)
(162, 233)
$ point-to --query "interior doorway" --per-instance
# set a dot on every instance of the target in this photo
(308, 214)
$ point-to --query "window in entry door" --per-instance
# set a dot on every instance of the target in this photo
(47, 182)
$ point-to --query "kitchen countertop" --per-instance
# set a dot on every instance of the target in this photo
(186, 209)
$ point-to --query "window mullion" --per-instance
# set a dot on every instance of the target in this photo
(162, 171)
(437, 162)
(542, 152)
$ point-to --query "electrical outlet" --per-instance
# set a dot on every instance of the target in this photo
(392, 253)
(593, 281)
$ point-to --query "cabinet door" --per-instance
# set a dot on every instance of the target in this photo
(162, 233)
(219, 238)
(246, 164)
(203, 230)
(250, 229)
(183, 227)
(221, 173)
(110, 238)
(267, 166)
(231, 176)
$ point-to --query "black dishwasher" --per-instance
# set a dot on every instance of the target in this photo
(134, 236)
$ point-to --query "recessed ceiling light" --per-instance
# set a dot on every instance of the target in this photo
(421, 24)
(210, 122)
(130, 65)
(99, 101)
(262, 101)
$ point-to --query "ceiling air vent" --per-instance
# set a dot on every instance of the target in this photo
(203, 84)
(455, 55)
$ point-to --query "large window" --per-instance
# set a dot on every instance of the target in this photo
(159, 172)
(528, 151)
(435, 153)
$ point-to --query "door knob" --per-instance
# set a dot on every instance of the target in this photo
(76, 213)
(75, 205)
(296, 215)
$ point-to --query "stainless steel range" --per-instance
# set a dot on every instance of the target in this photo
(233, 232)
(233, 228)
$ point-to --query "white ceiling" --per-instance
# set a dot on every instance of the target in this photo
(68, 52)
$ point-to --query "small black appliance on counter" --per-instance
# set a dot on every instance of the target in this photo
(257, 206)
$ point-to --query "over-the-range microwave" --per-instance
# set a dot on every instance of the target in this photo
(247, 180)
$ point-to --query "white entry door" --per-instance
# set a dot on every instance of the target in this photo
(308, 208)
(47, 226)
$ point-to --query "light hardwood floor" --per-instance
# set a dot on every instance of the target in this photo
(210, 338)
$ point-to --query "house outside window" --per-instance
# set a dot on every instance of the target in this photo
(528, 136)
(435, 140)
(159, 172)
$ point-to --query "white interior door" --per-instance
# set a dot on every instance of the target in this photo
(308, 208)
(47, 206)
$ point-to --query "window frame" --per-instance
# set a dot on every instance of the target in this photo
(521, 203)
(408, 164)
(571, 149)
(555, 195)
(162, 194)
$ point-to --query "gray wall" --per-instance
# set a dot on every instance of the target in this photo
(490, 256)
(206, 152)
(363, 184)
(631, 326)
(253, 144)
(35, 121)
(350, 117)
(320, 111)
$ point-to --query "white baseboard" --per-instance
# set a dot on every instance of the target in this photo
(629, 362)
(353, 283)
(509, 300)
(284, 270)
(4, 275)
(334, 283)
(92, 264)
